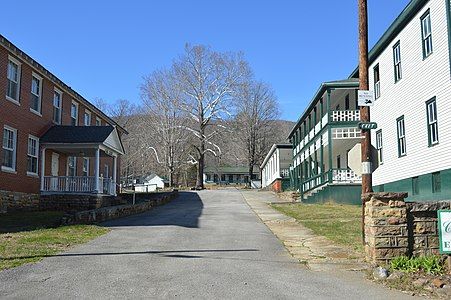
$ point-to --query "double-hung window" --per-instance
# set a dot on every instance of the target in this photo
(13, 79)
(32, 155)
(426, 34)
(431, 107)
(36, 93)
(87, 118)
(377, 82)
(9, 149)
(74, 114)
(379, 146)
(401, 136)
(98, 121)
(57, 102)
(397, 61)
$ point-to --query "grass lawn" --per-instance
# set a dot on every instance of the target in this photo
(29, 237)
(340, 223)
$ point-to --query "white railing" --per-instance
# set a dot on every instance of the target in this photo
(77, 184)
(345, 115)
(284, 173)
(345, 176)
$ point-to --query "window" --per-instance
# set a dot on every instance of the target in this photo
(436, 182)
(87, 118)
(13, 78)
(426, 34)
(431, 107)
(347, 102)
(379, 146)
(74, 114)
(401, 136)
(397, 61)
(32, 155)
(71, 166)
(36, 90)
(85, 166)
(98, 121)
(57, 101)
(415, 186)
(9, 149)
(377, 82)
(338, 161)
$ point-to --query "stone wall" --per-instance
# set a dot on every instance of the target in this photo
(113, 212)
(15, 201)
(70, 203)
(394, 227)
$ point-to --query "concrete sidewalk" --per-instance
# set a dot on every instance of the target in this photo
(317, 252)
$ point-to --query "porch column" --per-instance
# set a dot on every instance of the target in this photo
(114, 173)
(42, 167)
(96, 171)
(329, 136)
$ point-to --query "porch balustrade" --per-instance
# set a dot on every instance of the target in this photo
(345, 115)
(78, 184)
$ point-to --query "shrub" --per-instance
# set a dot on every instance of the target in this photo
(432, 264)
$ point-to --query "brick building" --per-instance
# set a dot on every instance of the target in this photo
(54, 141)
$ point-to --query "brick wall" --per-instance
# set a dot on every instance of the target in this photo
(394, 227)
(19, 117)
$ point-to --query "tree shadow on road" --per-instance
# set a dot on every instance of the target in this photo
(183, 211)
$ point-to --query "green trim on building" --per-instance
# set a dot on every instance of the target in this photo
(344, 194)
(448, 18)
(425, 187)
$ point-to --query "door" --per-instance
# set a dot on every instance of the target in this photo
(54, 172)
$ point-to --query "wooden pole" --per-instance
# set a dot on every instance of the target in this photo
(367, 184)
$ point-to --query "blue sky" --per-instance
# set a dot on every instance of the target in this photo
(103, 48)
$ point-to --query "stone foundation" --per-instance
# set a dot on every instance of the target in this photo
(71, 203)
(14, 201)
(394, 227)
(108, 213)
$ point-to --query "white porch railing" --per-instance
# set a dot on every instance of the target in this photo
(78, 184)
(345, 176)
(284, 173)
(345, 115)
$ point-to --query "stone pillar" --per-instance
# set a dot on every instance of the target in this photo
(386, 234)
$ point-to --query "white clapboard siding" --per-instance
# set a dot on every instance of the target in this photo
(421, 81)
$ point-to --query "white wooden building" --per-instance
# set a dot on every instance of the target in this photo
(276, 166)
(410, 73)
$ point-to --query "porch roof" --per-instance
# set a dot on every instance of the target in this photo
(83, 136)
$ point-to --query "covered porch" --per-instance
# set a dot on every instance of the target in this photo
(90, 144)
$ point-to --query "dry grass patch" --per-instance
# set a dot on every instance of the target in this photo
(340, 223)
(29, 237)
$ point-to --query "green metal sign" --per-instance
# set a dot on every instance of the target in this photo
(367, 125)
(444, 231)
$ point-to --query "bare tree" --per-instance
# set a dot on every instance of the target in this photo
(254, 124)
(208, 80)
(164, 120)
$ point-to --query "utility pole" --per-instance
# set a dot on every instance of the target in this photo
(367, 180)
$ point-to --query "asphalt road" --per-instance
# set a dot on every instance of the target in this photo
(204, 245)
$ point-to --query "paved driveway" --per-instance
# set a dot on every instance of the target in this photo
(204, 245)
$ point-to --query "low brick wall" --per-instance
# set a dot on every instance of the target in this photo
(14, 201)
(113, 212)
(394, 227)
